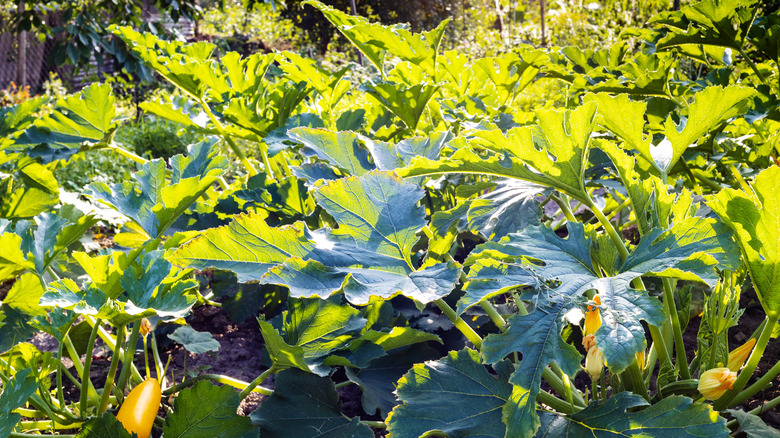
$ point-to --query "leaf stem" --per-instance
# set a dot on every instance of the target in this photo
(753, 66)
(85, 381)
(682, 360)
(563, 203)
(554, 402)
(158, 365)
(374, 424)
(760, 385)
(120, 338)
(127, 361)
(225, 380)
(747, 372)
(231, 144)
(493, 314)
(254, 384)
(464, 328)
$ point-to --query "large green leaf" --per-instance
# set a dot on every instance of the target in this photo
(538, 337)
(14, 395)
(406, 102)
(305, 406)
(689, 250)
(12, 259)
(708, 22)
(455, 396)
(86, 117)
(206, 411)
(675, 416)
(753, 425)
(147, 291)
(320, 327)
(368, 255)
(105, 426)
(376, 40)
(553, 153)
(247, 246)
(755, 219)
(153, 202)
(341, 149)
(29, 190)
(378, 380)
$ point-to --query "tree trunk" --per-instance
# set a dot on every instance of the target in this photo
(676, 5)
(541, 14)
(21, 54)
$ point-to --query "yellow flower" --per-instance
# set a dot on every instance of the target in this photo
(713, 383)
(588, 341)
(593, 317)
(740, 355)
(594, 362)
(146, 327)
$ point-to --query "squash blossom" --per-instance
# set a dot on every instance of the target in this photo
(588, 342)
(593, 317)
(713, 383)
(594, 362)
(146, 327)
(740, 355)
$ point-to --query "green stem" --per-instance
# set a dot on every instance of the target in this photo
(127, 361)
(747, 372)
(493, 314)
(608, 228)
(47, 424)
(158, 365)
(343, 384)
(35, 435)
(760, 385)
(554, 402)
(563, 203)
(120, 338)
(127, 154)
(85, 381)
(753, 66)
(111, 343)
(249, 388)
(374, 424)
(225, 380)
(682, 360)
(464, 328)
(233, 146)
(634, 377)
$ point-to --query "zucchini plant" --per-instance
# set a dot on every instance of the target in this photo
(564, 244)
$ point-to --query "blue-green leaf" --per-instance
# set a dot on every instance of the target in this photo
(455, 396)
(305, 406)
(675, 416)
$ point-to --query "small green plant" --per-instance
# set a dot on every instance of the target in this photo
(153, 137)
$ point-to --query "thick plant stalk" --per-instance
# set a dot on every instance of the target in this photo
(682, 360)
(245, 392)
(747, 372)
(466, 329)
(231, 144)
(120, 338)
(85, 381)
(225, 380)
(127, 361)
(760, 385)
